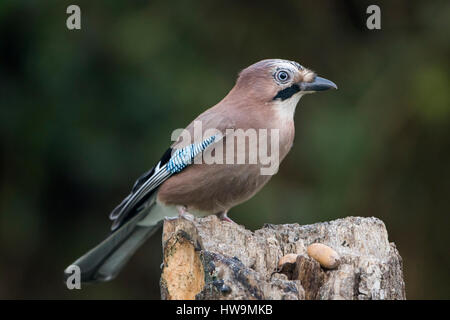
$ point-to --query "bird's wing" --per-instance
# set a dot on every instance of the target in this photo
(126, 209)
(173, 161)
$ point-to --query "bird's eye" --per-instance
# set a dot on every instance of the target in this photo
(282, 76)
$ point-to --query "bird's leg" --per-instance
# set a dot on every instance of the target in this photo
(224, 217)
(182, 213)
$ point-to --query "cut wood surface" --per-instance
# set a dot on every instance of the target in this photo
(206, 258)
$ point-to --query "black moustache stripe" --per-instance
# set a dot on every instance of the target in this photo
(287, 93)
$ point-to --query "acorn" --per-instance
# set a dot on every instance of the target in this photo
(286, 264)
(289, 258)
(327, 257)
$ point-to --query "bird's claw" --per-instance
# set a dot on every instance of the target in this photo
(224, 217)
(182, 213)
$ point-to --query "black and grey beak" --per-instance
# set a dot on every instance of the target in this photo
(319, 84)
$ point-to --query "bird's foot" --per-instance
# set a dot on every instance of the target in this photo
(224, 217)
(227, 220)
(182, 213)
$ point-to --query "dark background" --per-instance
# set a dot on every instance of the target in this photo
(83, 113)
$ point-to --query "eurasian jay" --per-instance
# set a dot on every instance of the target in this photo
(263, 99)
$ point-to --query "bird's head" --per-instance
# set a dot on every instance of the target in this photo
(279, 81)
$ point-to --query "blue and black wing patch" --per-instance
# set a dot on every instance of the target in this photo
(170, 163)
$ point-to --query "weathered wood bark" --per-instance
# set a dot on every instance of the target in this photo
(211, 259)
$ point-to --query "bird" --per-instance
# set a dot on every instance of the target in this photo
(264, 97)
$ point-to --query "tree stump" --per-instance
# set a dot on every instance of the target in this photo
(206, 258)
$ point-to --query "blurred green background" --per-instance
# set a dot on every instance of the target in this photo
(83, 113)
